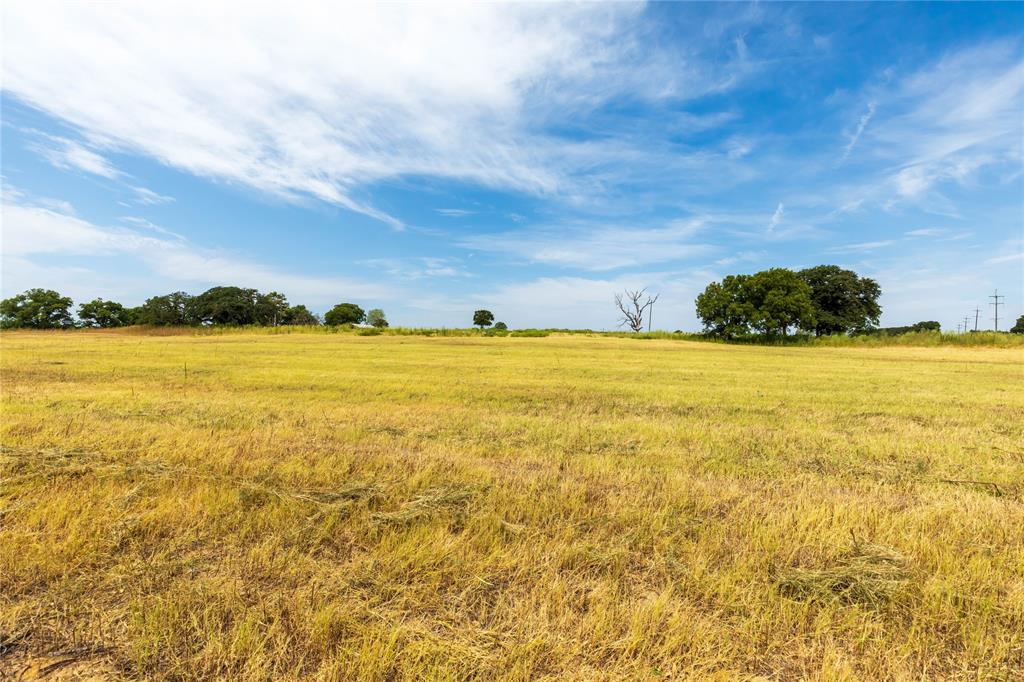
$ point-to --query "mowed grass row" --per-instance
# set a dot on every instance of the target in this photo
(343, 507)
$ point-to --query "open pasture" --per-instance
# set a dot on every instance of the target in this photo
(331, 506)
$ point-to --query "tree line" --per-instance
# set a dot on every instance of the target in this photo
(237, 306)
(773, 303)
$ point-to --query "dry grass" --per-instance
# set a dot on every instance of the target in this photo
(333, 506)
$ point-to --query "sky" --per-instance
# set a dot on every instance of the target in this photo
(533, 160)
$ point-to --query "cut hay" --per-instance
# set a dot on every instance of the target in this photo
(867, 574)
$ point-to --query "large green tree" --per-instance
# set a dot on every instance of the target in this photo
(844, 303)
(781, 299)
(166, 310)
(100, 313)
(723, 307)
(344, 313)
(36, 309)
(238, 306)
(224, 305)
(771, 302)
(1019, 327)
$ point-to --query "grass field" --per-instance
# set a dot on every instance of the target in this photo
(255, 506)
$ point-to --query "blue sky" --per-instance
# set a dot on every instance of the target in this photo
(530, 159)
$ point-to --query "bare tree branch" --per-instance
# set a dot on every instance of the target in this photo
(633, 307)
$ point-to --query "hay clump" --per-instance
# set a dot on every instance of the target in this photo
(867, 574)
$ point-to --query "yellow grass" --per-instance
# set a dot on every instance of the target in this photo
(254, 506)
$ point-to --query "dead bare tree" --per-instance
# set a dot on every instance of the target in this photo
(632, 306)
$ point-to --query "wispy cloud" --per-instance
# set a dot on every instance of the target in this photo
(776, 218)
(417, 268)
(861, 247)
(148, 197)
(861, 125)
(31, 231)
(148, 225)
(1008, 258)
(960, 116)
(927, 232)
(454, 212)
(346, 101)
(943, 125)
(596, 247)
(67, 154)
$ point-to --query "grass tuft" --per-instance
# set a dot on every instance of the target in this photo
(427, 504)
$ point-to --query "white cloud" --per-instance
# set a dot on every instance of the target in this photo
(323, 100)
(148, 197)
(861, 125)
(416, 268)
(738, 147)
(58, 205)
(959, 117)
(861, 247)
(1010, 250)
(776, 218)
(944, 125)
(927, 232)
(741, 257)
(596, 248)
(70, 155)
(148, 225)
(454, 212)
(31, 231)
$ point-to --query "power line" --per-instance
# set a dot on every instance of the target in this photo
(976, 312)
(995, 302)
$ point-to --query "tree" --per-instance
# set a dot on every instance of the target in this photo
(375, 318)
(270, 308)
(724, 309)
(483, 318)
(500, 326)
(36, 309)
(237, 306)
(1019, 327)
(301, 316)
(771, 301)
(633, 307)
(344, 313)
(926, 326)
(167, 310)
(782, 300)
(100, 313)
(843, 302)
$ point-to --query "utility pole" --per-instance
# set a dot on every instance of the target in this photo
(957, 327)
(995, 302)
(976, 311)
(967, 320)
